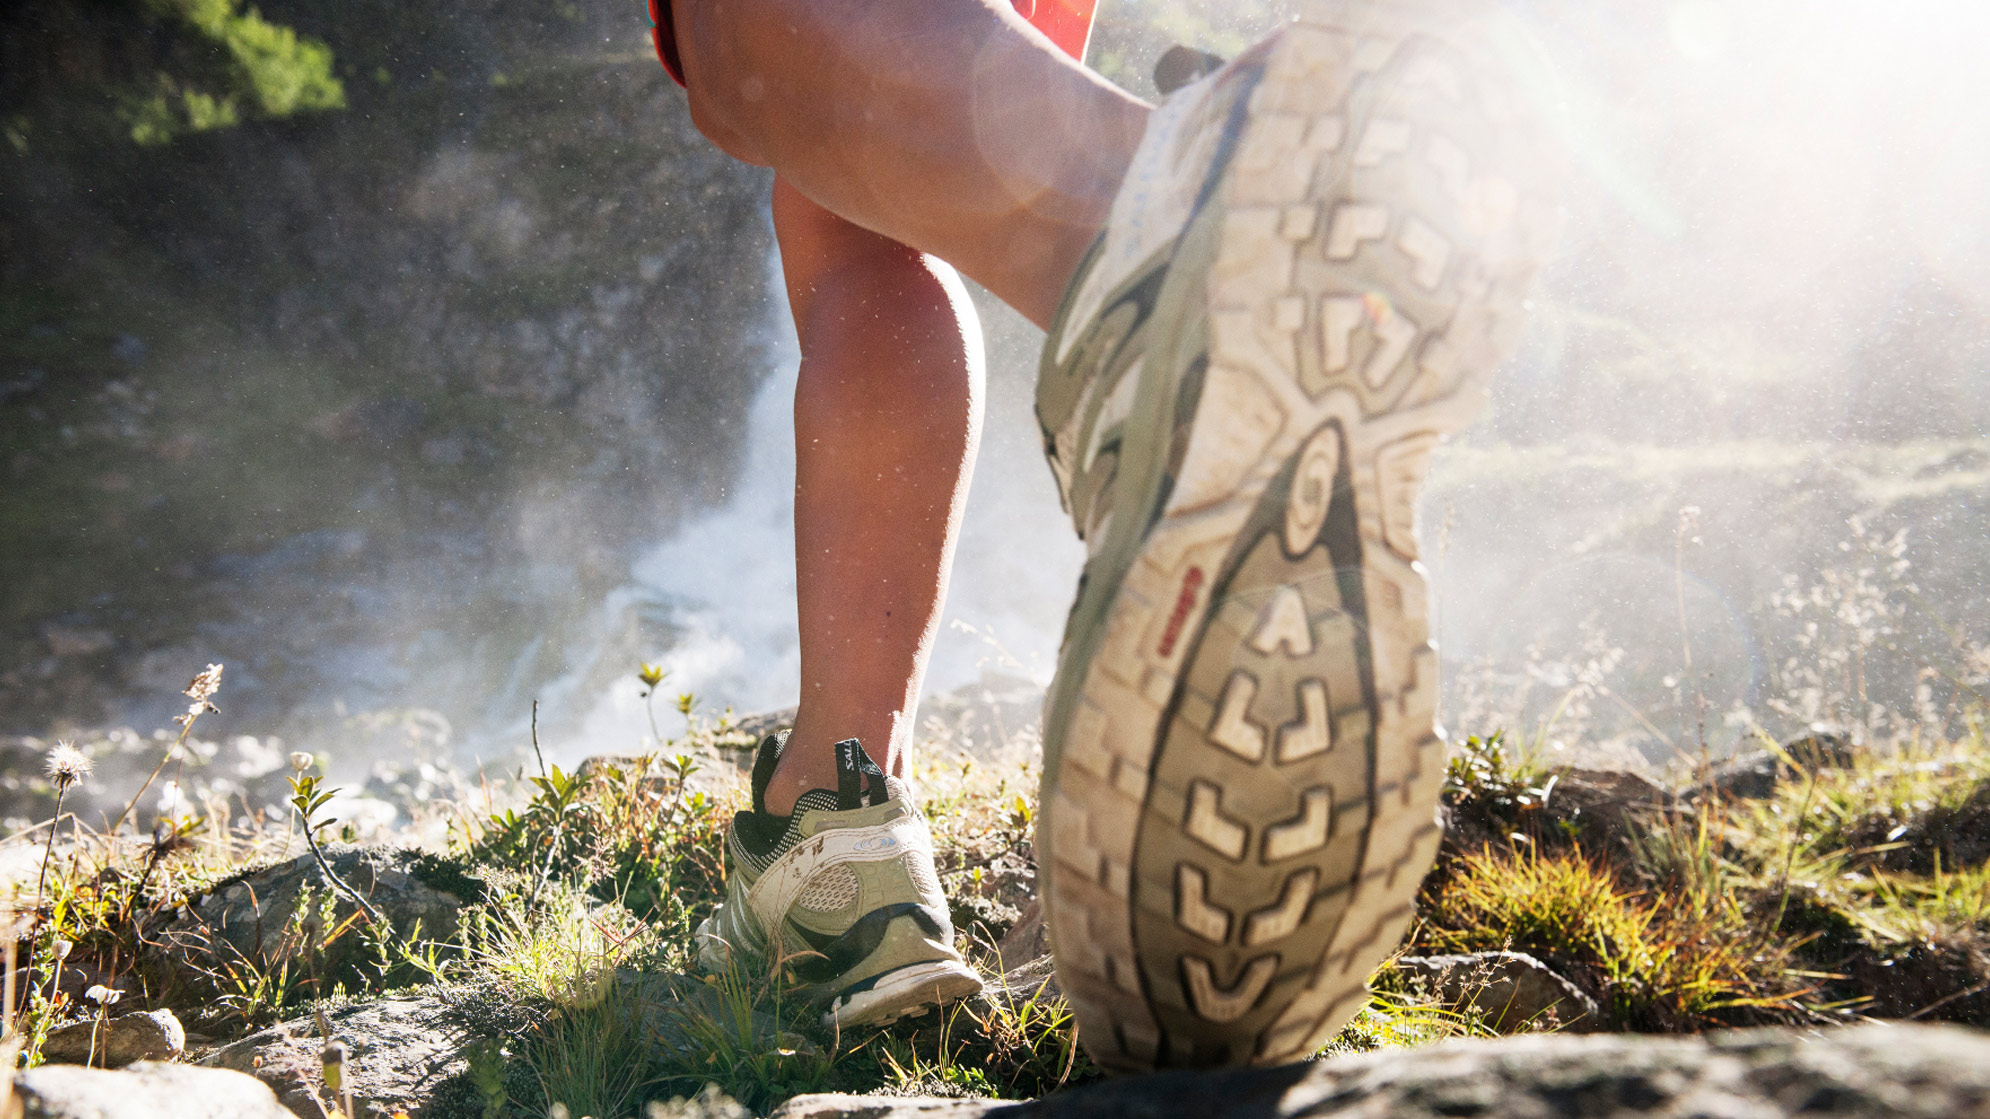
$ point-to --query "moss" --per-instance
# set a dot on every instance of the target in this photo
(455, 875)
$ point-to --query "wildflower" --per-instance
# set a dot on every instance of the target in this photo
(300, 761)
(205, 684)
(105, 997)
(173, 801)
(652, 674)
(61, 948)
(201, 690)
(67, 765)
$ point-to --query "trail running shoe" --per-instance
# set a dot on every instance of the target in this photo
(1317, 258)
(843, 890)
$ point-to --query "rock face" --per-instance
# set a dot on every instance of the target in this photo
(1754, 775)
(402, 1049)
(150, 1036)
(1867, 1072)
(1513, 991)
(433, 354)
(412, 1053)
(157, 1091)
(256, 915)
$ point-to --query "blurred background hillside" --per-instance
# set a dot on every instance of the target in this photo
(418, 361)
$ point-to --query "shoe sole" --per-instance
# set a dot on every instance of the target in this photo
(907, 992)
(1242, 764)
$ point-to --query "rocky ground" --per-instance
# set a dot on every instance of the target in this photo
(533, 962)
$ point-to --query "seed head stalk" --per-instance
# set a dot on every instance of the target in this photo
(66, 766)
(201, 691)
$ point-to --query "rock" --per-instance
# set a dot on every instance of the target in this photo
(761, 724)
(1863, 1072)
(403, 1049)
(255, 915)
(153, 1035)
(408, 1051)
(1020, 984)
(838, 1106)
(1600, 805)
(1028, 939)
(1604, 806)
(1512, 990)
(151, 1089)
(1755, 774)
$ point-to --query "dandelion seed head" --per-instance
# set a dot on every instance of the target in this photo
(68, 765)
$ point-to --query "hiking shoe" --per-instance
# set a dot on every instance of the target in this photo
(1316, 259)
(844, 892)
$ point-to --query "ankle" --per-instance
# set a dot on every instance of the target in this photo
(791, 780)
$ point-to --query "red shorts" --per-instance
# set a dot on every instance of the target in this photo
(1068, 23)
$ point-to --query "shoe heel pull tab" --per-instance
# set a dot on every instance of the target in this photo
(765, 759)
(857, 775)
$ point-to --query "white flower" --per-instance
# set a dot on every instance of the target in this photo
(67, 765)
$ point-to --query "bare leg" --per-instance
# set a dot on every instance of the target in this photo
(948, 125)
(887, 416)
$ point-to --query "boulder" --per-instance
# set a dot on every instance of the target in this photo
(402, 1049)
(407, 1051)
(153, 1035)
(839, 1106)
(1511, 991)
(1863, 1072)
(151, 1089)
(1020, 984)
(1028, 939)
(255, 915)
(1598, 806)
(1755, 774)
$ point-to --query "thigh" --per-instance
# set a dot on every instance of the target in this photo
(947, 125)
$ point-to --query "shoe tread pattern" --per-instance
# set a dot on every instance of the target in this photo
(1240, 841)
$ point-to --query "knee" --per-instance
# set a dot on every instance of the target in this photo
(715, 125)
(744, 61)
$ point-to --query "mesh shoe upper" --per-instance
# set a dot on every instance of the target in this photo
(843, 889)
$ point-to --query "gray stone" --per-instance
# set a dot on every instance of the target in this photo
(1513, 991)
(1756, 774)
(154, 1090)
(402, 1049)
(839, 1106)
(153, 1035)
(406, 1049)
(1020, 984)
(1028, 939)
(1864, 1072)
(250, 916)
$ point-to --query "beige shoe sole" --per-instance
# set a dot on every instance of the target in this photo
(1242, 769)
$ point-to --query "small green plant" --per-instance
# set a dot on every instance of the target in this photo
(651, 676)
(1493, 772)
(742, 1034)
(1393, 1019)
(485, 1059)
(307, 798)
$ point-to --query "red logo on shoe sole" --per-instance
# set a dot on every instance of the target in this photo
(1184, 602)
